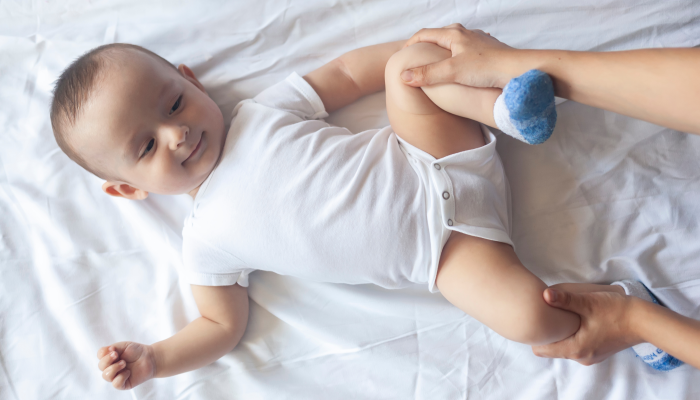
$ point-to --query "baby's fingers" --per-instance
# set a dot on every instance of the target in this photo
(111, 371)
(119, 381)
(104, 351)
(107, 360)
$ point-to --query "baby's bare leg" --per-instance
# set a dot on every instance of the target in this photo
(483, 278)
(486, 280)
(419, 121)
(468, 102)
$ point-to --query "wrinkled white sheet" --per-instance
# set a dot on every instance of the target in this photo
(606, 198)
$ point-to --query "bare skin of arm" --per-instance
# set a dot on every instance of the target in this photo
(224, 311)
(651, 323)
(353, 75)
(661, 86)
(611, 322)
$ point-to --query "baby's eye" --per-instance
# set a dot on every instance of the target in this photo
(148, 147)
(176, 105)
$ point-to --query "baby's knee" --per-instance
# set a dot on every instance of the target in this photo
(403, 97)
(413, 56)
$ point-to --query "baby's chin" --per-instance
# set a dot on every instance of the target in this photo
(175, 190)
(184, 188)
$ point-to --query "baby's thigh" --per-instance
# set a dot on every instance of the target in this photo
(486, 280)
(415, 118)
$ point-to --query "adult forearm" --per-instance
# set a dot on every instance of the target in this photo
(200, 343)
(661, 86)
(672, 332)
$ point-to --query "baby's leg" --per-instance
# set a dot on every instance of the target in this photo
(483, 278)
(430, 127)
(486, 280)
(524, 109)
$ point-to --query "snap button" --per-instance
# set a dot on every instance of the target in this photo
(445, 195)
(437, 166)
(449, 222)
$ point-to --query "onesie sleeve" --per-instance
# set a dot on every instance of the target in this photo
(293, 95)
(207, 265)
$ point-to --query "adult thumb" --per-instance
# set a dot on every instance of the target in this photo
(431, 74)
(563, 299)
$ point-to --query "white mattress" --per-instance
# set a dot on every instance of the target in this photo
(606, 198)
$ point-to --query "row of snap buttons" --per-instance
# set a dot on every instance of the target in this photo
(445, 194)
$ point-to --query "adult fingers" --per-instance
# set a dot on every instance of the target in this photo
(566, 301)
(561, 349)
(107, 360)
(431, 74)
(443, 37)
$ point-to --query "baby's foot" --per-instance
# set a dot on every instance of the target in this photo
(525, 110)
(650, 354)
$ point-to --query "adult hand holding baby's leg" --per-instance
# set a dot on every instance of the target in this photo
(477, 59)
(486, 280)
(127, 364)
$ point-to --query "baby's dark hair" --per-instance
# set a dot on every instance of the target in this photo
(73, 89)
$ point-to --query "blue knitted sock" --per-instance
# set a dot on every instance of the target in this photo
(650, 354)
(525, 110)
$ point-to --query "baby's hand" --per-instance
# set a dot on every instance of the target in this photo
(127, 364)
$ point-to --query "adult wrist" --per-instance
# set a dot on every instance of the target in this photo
(510, 63)
(551, 62)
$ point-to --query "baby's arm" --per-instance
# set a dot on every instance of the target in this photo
(354, 74)
(224, 311)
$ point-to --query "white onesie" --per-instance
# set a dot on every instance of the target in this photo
(297, 196)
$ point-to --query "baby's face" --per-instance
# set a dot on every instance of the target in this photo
(153, 127)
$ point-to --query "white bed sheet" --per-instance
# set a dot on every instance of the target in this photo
(606, 198)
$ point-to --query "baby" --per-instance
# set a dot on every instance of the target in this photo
(422, 201)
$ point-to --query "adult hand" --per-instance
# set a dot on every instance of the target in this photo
(605, 326)
(477, 58)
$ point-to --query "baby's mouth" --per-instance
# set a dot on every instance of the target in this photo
(195, 147)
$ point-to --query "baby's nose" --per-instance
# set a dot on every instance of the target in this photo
(178, 136)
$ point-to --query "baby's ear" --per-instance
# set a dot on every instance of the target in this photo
(189, 75)
(124, 190)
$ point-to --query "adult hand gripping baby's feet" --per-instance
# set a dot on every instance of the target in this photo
(126, 364)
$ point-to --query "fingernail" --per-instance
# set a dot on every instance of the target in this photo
(407, 76)
(553, 294)
(114, 354)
